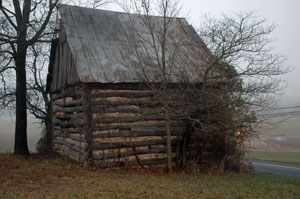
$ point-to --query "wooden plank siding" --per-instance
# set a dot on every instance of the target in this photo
(64, 68)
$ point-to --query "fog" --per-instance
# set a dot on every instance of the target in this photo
(7, 129)
(284, 13)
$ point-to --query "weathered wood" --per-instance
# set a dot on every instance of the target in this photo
(72, 154)
(63, 135)
(153, 128)
(88, 150)
(138, 86)
(69, 145)
(133, 134)
(107, 145)
(65, 130)
(64, 94)
(128, 94)
(141, 103)
(107, 109)
(76, 102)
(131, 119)
(119, 86)
(104, 164)
(104, 120)
(116, 113)
(76, 117)
(104, 128)
(104, 156)
(68, 109)
(68, 123)
(150, 104)
(157, 124)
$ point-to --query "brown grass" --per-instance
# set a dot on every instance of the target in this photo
(50, 177)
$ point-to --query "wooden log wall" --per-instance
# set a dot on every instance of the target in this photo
(126, 128)
(69, 121)
(111, 126)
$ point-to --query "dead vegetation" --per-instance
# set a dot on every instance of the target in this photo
(52, 177)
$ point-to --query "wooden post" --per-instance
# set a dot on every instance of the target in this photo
(169, 149)
(88, 151)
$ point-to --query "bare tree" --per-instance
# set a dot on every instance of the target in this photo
(153, 53)
(223, 78)
(24, 24)
(38, 101)
(242, 43)
(238, 83)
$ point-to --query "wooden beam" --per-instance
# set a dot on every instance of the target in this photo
(131, 119)
(104, 128)
(69, 145)
(108, 109)
(104, 156)
(71, 154)
(65, 94)
(70, 117)
(68, 123)
(76, 102)
(119, 86)
(108, 145)
(88, 151)
(134, 134)
(127, 94)
(71, 131)
(68, 109)
(138, 127)
(140, 103)
(63, 135)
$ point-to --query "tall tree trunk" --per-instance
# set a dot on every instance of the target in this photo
(47, 145)
(21, 146)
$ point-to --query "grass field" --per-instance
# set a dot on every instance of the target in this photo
(289, 157)
(40, 177)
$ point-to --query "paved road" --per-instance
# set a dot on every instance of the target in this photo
(276, 167)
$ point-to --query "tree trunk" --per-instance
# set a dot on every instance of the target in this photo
(49, 131)
(169, 149)
(21, 146)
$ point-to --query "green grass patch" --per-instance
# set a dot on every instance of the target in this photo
(288, 157)
(58, 178)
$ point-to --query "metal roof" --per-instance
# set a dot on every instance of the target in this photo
(101, 43)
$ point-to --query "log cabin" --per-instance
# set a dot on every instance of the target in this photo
(101, 105)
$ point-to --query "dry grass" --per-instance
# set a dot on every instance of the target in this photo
(43, 177)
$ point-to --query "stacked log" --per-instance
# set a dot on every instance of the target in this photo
(68, 120)
(127, 128)
(111, 126)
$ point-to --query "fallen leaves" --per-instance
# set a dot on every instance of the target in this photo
(53, 178)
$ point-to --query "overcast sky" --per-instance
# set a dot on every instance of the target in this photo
(284, 13)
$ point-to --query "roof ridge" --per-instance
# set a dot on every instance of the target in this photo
(117, 12)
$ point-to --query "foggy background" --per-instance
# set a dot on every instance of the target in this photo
(284, 13)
